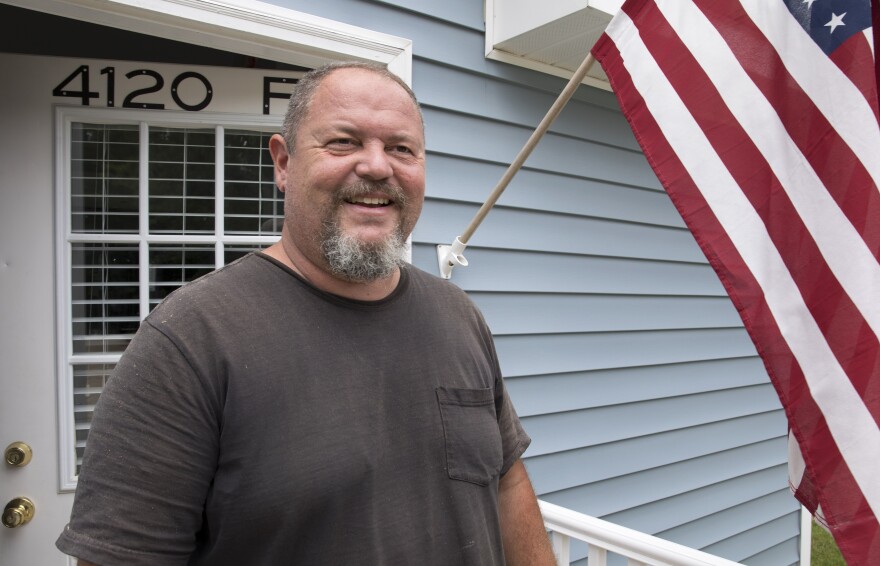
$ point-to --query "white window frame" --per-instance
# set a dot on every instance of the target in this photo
(247, 27)
(65, 238)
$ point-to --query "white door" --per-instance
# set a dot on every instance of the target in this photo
(27, 316)
(106, 205)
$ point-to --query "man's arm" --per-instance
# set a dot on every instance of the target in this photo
(522, 529)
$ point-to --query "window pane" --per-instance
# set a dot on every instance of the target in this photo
(105, 277)
(253, 204)
(232, 253)
(181, 181)
(104, 178)
(88, 382)
(173, 265)
(104, 291)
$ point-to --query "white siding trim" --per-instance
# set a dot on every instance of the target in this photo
(247, 27)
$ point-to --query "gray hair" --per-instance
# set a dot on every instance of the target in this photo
(304, 91)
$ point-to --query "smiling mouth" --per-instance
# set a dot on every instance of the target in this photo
(371, 194)
(369, 201)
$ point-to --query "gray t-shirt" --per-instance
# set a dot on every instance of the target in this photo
(257, 420)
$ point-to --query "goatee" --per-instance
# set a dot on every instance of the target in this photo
(349, 258)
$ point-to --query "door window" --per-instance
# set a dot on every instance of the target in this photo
(147, 206)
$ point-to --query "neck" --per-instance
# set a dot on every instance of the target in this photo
(322, 279)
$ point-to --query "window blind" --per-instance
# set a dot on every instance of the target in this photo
(208, 197)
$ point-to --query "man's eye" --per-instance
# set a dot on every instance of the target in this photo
(342, 142)
(402, 149)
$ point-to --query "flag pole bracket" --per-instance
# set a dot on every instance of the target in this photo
(448, 257)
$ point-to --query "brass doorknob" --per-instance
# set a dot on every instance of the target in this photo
(18, 454)
(18, 512)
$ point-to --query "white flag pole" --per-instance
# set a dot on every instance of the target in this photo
(450, 256)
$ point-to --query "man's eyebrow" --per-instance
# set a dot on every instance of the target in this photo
(342, 128)
(402, 137)
(333, 128)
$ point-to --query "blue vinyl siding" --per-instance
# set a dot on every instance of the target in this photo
(628, 364)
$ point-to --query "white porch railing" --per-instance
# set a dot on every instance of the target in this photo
(603, 537)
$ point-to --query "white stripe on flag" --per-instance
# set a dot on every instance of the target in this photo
(840, 244)
(848, 419)
(844, 105)
(796, 464)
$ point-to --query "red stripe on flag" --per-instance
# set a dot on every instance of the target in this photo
(805, 492)
(838, 318)
(792, 239)
(841, 322)
(845, 177)
(787, 376)
(852, 520)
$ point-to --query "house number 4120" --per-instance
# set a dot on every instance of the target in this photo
(77, 86)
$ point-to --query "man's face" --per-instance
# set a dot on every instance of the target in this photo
(357, 169)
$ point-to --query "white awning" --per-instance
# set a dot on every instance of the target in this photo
(551, 36)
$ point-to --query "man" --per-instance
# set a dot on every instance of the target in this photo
(322, 402)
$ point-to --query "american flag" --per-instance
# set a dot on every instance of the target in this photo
(760, 118)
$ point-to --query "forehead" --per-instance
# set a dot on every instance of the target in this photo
(362, 94)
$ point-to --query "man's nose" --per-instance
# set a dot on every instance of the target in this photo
(374, 163)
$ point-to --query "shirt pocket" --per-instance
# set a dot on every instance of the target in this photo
(470, 428)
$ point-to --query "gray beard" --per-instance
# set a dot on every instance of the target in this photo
(352, 260)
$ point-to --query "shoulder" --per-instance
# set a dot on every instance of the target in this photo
(218, 316)
(237, 283)
(441, 292)
(424, 282)
(444, 297)
(239, 298)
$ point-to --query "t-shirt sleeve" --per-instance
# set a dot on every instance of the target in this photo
(151, 453)
(514, 439)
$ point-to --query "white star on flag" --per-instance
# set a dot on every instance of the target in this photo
(835, 21)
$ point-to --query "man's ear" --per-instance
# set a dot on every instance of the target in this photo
(280, 157)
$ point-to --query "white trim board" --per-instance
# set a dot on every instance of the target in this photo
(247, 27)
